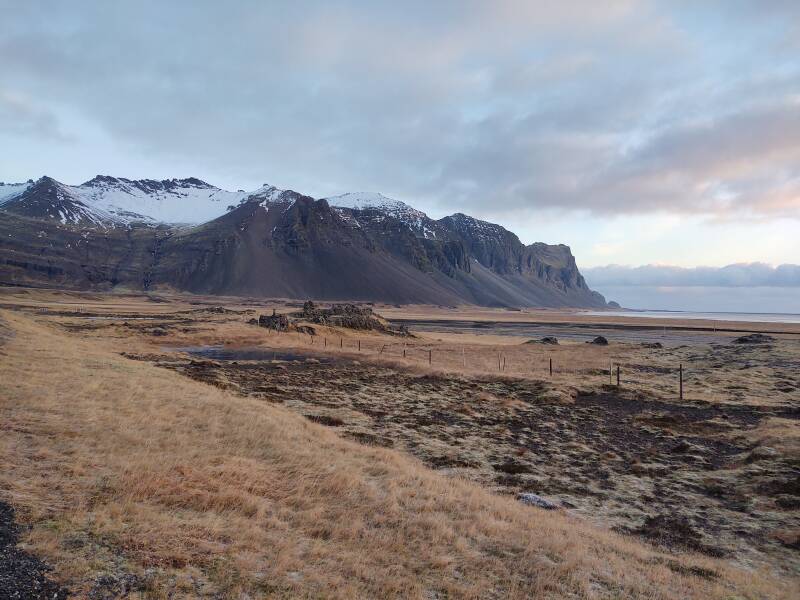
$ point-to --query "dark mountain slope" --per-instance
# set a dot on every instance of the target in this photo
(295, 248)
(280, 244)
(47, 252)
(298, 247)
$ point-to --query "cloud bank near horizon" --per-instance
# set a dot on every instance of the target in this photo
(736, 275)
(746, 287)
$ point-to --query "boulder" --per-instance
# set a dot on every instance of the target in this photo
(536, 500)
(548, 339)
(754, 338)
(599, 340)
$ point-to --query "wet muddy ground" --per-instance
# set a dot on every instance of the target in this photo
(684, 474)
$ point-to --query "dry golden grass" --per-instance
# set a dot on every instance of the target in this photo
(776, 432)
(708, 376)
(123, 467)
(575, 364)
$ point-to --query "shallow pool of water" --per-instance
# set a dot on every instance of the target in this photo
(223, 353)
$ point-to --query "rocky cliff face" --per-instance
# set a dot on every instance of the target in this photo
(274, 243)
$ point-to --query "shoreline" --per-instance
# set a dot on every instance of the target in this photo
(485, 324)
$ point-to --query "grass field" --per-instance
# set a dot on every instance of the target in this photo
(139, 480)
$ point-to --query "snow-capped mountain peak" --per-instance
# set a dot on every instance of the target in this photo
(372, 201)
(188, 201)
(146, 185)
(108, 201)
(266, 194)
(115, 201)
(51, 199)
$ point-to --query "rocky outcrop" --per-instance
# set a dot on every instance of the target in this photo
(341, 315)
(349, 316)
(274, 321)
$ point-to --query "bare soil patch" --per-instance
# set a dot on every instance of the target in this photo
(22, 575)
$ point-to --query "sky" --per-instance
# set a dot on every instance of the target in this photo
(637, 132)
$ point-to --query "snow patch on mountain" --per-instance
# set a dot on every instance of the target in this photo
(9, 191)
(186, 201)
(372, 201)
(269, 194)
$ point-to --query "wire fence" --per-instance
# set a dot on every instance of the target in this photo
(573, 363)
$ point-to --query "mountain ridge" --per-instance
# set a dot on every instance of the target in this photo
(190, 235)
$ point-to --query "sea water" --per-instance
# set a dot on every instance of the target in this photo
(708, 316)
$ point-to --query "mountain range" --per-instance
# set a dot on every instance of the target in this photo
(185, 234)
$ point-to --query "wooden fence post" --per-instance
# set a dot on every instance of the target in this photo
(680, 377)
(430, 357)
(617, 375)
(359, 345)
(551, 367)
